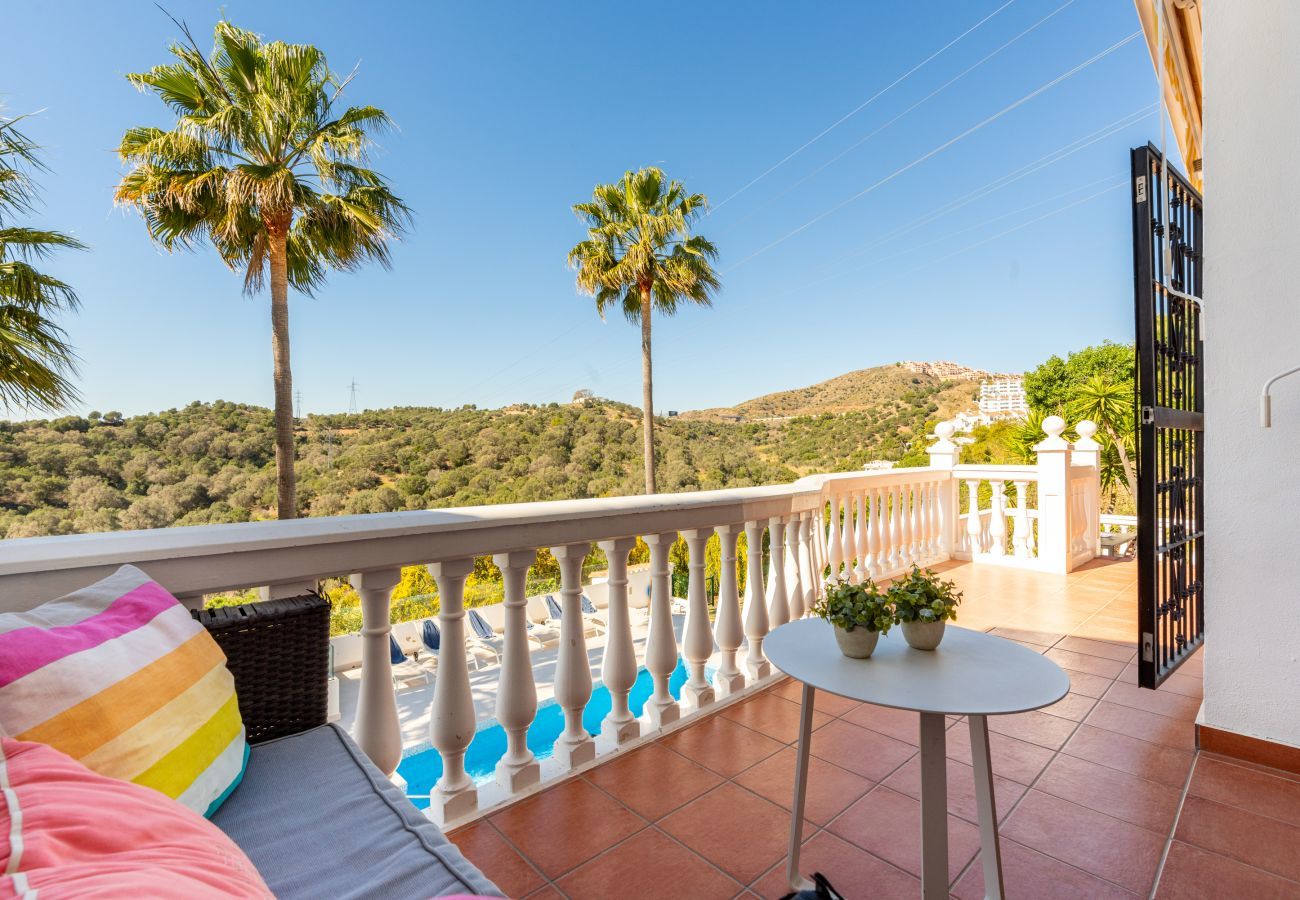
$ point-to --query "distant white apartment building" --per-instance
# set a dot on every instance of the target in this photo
(1003, 398)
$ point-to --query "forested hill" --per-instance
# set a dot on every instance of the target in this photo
(878, 389)
(215, 462)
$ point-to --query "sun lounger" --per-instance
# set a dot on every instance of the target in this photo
(477, 651)
(405, 670)
(591, 627)
(495, 616)
(539, 622)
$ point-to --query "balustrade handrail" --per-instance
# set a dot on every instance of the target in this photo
(995, 472)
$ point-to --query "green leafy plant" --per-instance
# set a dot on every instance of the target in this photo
(922, 596)
(850, 606)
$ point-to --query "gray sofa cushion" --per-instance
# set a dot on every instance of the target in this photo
(319, 820)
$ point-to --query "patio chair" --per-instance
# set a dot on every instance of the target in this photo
(406, 671)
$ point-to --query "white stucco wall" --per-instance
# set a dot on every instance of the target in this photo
(1252, 489)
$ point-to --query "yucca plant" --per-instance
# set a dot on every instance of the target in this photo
(641, 257)
(36, 361)
(265, 164)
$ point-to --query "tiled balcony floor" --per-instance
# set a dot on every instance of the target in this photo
(1101, 795)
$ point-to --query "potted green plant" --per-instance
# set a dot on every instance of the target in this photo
(860, 614)
(922, 603)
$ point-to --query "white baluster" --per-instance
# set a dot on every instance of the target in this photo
(897, 556)
(807, 577)
(974, 527)
(377, 729)
(697, 634)
(920, 553)
(998, 519)
(756, 626)
(819, 548)
(793, 583)
(661, 642)
(573, 685)
(847, 549)
(874, 543)
(618, 671)
(729, 679)
(863, 571)
(1020, 536)
(778, 609)
(906, 552)
(835, 548)
(516, 693)
(451, 723)
(936, 519)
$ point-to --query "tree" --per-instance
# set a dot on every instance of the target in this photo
(640, 254)
(261, 164)
(1110, 406)
(36, 360)
(1052, 386)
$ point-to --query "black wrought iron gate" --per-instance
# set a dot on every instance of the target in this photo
(1170, 402)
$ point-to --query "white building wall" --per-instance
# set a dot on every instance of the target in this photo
(1252, 478)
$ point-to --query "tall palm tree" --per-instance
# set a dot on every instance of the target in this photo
(640, 255)
(264, 165)
(1110, 406)
(36, 361)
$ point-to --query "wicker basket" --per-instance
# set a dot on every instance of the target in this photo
(278, 651)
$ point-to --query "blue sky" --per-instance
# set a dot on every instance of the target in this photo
(511, 112)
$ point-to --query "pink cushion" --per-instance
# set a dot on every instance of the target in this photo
(66, 831)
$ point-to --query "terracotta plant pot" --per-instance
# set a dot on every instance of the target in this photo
(923, 635)
(859, 643)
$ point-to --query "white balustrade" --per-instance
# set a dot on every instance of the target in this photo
(451, 721)
(729, 679)
(618, 669)
(849, 525)
(516, 691)
(661, 642)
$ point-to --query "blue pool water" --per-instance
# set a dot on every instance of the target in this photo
(423, 768)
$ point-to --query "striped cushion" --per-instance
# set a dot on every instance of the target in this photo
(120, 677)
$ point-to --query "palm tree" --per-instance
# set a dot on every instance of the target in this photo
(36, 361)
(640, 254)
(1110, 406)
(263, 165)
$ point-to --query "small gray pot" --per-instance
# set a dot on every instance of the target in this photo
(923, 635)
(857, 643)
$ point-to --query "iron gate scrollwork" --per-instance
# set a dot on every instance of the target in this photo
(1170, 403)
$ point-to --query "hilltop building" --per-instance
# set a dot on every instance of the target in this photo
(1003, 398)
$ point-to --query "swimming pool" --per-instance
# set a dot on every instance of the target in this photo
(423, 768)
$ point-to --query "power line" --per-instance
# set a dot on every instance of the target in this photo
(944, 146)
(857, 109)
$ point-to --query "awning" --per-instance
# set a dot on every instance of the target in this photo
(1182, 71)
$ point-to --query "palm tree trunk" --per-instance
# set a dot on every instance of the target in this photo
(647, 394)
(286, 483)
(1125, 463)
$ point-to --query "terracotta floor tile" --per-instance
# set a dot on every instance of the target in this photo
(722, 745)
(1191, 873)
(1161, 702)
(899, 724)
(1246, 837)
(554, 829)
(1104, 649)
(740, 833)
(1166, 765)
(484, 846)
(860, 750)
(1015, 759)
(823, 701)
(1082, 662)
(1035, 727)
(1028, 873)
(546, 893)
(1029, 635)
(831, 790)
(1147, 803)
(1088, 685)
(961, 788)
(888, 824)
(1187, 685)
(1146, 726)
(1107, 847)
(653, 780)
(1072, 706)
(639, 866)
(1250, 789)
(772, 715)
(853, 871)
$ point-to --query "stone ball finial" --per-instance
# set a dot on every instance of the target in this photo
(945, 430)
(1053, 425)
(1086, 429)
